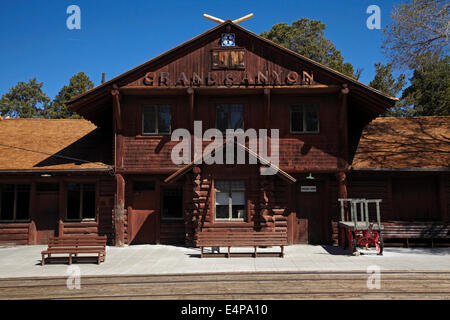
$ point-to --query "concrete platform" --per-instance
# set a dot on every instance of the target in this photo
(24, 261)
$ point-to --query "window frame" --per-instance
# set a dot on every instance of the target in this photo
(15, 204)
(304, 106)
(229, 104)
(230, 203)
(80, 208)
(157, 105)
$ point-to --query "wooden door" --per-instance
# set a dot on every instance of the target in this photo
(46, 217)
(311, 222)
(144, 217)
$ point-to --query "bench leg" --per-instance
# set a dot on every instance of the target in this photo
(98, 258)
(282, 251)
(70, 258)
(201, 252)
(255, 253)
(43, 260)
(229, 252)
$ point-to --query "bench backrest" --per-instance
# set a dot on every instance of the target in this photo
(241, 237)
(417, 229)
(77, 242)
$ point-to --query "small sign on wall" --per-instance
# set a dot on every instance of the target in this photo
(308, 189)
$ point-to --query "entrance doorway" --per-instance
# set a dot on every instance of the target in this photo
(143, 217)
(311, 220)
(172, 217)
(47, 211)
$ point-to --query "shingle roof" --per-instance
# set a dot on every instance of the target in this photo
(419, 142)
(43, 144)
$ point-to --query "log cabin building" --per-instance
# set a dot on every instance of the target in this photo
(111, 173)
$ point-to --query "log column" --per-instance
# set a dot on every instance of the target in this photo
(442, 198)
(62, 207)
(32, 232)
(119, 205)
(119, 208)
(343, 148)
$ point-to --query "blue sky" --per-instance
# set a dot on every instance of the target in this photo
(116, 36)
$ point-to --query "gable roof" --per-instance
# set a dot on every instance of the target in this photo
(401, 143)
(52, 145)
(102, 90)
(182, 171)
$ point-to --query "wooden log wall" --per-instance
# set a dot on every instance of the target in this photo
(14, 233)
(20, 233)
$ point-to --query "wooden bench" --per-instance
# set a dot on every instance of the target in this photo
(416, 230)
(73, 246)
(230, 239)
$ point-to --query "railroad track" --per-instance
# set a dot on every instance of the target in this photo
(260, 285)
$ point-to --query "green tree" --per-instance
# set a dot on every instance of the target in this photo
(25, 100)
(429, 92)
(307, 38)
(78, 84)
(419, 28)
(385, 82)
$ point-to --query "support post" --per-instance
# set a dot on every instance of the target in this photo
(267, 108)
(190, 92)
(442, 199)
(119, 208)
(32, 232)
(62, 207)
(343, 127)
(342, 191)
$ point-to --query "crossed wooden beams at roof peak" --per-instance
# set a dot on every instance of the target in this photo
(218, 20)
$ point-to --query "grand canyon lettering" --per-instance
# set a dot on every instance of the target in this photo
(276, 78)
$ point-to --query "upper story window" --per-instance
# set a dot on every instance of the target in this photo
(229, 116)
(305, 118)
(156, 119)
(14, 202)
(230, 199)
(80, 201)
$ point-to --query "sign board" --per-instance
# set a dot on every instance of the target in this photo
(308, 189)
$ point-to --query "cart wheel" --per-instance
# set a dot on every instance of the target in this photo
(379, 245)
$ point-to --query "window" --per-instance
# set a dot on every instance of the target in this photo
(172, 204)
(14, 202)
(156, 119)
(230, 199)
(229, 116)
(144, 185)
(80, 201)
(305, 118)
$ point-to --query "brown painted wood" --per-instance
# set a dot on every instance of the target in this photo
(119, 211)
